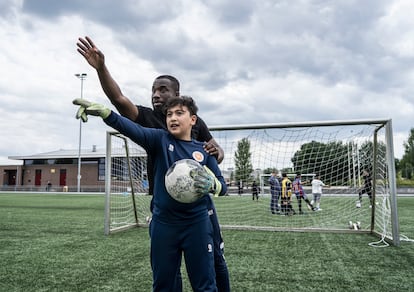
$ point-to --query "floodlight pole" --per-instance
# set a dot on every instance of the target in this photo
(81, 76)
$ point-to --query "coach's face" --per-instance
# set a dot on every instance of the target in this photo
(162, 90)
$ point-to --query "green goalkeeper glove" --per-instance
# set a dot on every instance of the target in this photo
(90, 108)
(206, 182)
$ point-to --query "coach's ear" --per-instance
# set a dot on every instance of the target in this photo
(90, 108)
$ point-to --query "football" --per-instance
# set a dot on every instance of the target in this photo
(179, 180)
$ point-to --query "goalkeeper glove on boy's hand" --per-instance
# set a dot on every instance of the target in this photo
(206, 182)
(90, 108)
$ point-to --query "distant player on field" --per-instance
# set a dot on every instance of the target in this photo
(275, 190)
(300, 193)
(317, 185)
(255, 191)
(366, 188)
(286, 196)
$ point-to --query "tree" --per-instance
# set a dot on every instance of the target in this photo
(366, 155)
(406, 164)
(269, 170)
(337, 162)
(242, 161)
(327, 160)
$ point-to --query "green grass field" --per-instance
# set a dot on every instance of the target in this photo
(241, 211)
(55, 242)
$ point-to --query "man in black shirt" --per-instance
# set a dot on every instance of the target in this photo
(164, 87)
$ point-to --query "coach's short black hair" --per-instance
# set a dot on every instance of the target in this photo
(186, 101)
(174, 81)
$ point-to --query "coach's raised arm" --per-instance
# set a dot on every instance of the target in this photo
(96, 59)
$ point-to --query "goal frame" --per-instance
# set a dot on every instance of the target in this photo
(379, 124)
(108, 186)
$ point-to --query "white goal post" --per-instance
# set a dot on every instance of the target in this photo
(126, 184)
(336, 150)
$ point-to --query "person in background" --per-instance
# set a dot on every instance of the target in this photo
(240, 187)
(286, 196)
(300, 194)
(255, 191)
(275, 191)
(366, 188)
(317, 185)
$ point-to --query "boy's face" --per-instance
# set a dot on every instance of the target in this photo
(180, 121)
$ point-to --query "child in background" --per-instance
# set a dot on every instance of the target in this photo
(317, 185)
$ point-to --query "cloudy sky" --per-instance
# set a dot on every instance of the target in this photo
(268, 61)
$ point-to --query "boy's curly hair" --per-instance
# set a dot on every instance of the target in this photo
(183, 100)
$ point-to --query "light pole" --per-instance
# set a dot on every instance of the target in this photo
(81, 76)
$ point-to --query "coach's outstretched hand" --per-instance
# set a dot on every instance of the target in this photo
(90, 108)
(206, 182)
(91, 53)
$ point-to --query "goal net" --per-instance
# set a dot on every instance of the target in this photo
(126, 184)
(336, 151)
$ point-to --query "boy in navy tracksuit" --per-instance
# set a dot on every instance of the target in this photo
(163, 88)
(176, 228)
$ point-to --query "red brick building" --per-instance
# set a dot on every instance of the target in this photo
(60, 169)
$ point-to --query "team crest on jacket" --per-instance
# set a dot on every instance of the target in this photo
(198, 156)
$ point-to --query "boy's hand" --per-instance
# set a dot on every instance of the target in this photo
(206, 182)
(90, 108)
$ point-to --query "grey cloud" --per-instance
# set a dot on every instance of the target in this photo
(231, 13)
(121, 15)
(328, 58)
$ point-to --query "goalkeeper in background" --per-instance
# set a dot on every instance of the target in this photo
(164, 87)
(366, 189)
(175, 227)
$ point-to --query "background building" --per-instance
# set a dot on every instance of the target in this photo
(58, 171)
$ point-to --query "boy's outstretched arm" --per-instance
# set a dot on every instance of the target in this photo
(90, 108)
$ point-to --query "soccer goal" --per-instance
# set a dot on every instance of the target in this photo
(126, 184)
(338, 151)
